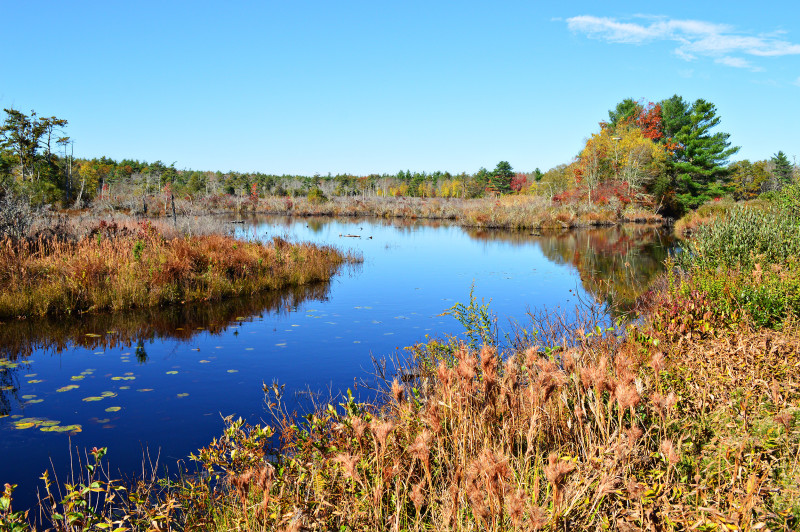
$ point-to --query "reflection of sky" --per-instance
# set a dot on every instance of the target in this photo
(408, 278)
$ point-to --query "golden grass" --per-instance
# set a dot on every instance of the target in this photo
(119, 266)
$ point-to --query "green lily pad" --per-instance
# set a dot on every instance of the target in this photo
(172, 373)
(108, 394)
(23, 426)
(68, 388)
(35, 381)
(77, 377)
(124, 387)
(113, 409)
(92, 399)
(183, 395)
(28, 396)
(34, 401)
(48, 423)
(31, 375)
(144, 390)
(233, 371)
(204, 361)
(102, 421)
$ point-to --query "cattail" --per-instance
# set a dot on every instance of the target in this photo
(416, 495)
(397, 392)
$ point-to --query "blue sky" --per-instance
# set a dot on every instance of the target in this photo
(319, 86)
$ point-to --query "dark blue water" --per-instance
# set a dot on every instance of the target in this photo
(162, 380)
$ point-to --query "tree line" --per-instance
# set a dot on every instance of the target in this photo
(667, 155)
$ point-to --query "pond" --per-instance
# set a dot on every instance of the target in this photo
(160, 381)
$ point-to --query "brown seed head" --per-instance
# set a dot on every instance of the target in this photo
(416, 495)
(397, 392)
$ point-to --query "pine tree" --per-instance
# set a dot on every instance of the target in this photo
(698, 167)
(783, 169)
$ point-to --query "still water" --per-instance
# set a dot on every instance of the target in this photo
(160, 381)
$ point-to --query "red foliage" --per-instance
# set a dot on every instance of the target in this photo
(648, 120)
(518, 182)
(602, 194)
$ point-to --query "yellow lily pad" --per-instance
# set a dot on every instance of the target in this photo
(92, 399)
(68, 388)
(113, 409)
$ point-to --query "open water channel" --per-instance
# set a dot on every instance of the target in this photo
(160, 381)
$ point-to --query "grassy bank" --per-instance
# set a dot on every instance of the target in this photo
(690, 420)
(509, 211)
(132, 265)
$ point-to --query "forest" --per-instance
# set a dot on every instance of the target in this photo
(667, 157)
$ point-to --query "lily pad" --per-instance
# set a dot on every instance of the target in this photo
(31, 375)
(108, 394)
(92, 399)
(34, 401)
(144, 390)
(77, 377)
(183, 395)
(233, 371)
(28, 396)
(102, 421)
(124, 387)
(23, 426)
(205, 361)
(113, 409)
(172, 373)
(92, 335)
(68, 388)
(35, 381)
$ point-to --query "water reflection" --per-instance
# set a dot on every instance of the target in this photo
(20, 339)
(615, 264)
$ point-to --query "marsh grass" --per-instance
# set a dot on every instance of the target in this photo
(507, 212)
(131, 265)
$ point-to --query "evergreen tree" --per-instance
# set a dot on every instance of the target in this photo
(501, 176)
(698, 171)
(783, 169)
(625, 110)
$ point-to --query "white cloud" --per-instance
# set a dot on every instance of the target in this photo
(737, 62)
(695, 38)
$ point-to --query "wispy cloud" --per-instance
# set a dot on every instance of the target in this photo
(695, 38)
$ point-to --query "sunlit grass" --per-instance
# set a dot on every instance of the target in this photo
(135, 265)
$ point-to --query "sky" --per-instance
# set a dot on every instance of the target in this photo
(305, 87)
